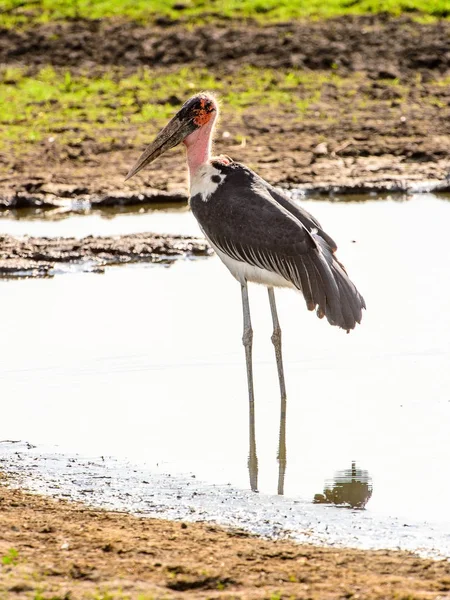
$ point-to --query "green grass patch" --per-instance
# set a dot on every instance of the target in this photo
(10, 558)
(22, 12)
(75, 108)
(113, 111)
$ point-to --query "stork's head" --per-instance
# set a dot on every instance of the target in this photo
(199, 112)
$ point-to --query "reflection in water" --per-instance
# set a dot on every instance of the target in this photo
(351, 487)
(253, 458)
(281, 456)
(282, 447)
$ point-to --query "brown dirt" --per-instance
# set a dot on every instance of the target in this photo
(364, 134)
(67, 551)
(382, 150)
(381, 45)
(38, 257)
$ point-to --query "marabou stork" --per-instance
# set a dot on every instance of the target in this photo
(262, 236)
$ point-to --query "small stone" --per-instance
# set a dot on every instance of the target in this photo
(388, 74)
(321, 149)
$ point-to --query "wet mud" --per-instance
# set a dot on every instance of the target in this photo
(73, 200)
(60, 548)
(65, 549)
(44, 257)
(380, 45)
(48, 196)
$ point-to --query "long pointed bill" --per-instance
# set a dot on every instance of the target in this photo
(173, 133)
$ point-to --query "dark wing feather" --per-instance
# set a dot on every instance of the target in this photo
(303, 215)
(252, 222)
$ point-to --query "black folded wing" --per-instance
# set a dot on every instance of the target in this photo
(251, 222)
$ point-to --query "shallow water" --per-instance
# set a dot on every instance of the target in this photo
(109, 221)
(145, 364)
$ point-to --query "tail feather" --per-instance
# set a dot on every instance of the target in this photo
(332, 306)
(344, 303)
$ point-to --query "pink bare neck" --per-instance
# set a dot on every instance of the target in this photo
(198, 146)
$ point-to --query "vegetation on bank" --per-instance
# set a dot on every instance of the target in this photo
(24, 12)
(57, 103)
(113, 110)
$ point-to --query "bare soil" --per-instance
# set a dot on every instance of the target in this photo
(57, 550)
(38, 257)
(383, 46)
(366, 134)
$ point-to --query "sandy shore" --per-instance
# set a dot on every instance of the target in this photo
(58, 549)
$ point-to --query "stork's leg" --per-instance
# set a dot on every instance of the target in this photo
(247, 340)
(276, 340)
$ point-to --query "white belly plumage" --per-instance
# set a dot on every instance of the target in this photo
(243, 272)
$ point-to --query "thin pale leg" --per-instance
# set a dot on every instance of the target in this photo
(276, 340)
(247, 340)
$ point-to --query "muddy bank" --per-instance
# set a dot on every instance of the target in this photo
(390, 139)
(40, 195)
(61, 549)
(383, 46)
(73, 200)
(105, 482)
(43, 257)
(383, 125)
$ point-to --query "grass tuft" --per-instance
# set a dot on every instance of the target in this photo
(26, 12)
(11, 557)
